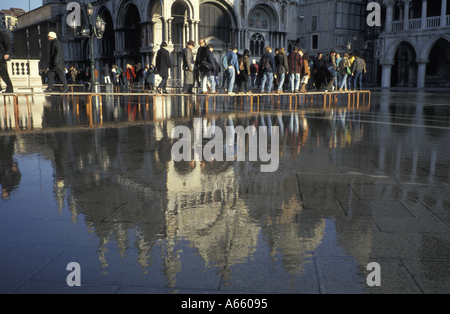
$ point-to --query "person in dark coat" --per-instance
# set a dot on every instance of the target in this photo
(5, 52)
(207, 74)
(56, 63)
(319, 70)
(188, 68)
(163, 64)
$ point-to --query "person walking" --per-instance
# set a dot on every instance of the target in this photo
(267, 67)
(306, 73)
(56, 63)
(344, 70)
(130, 75)
(106, 74)
(331, 62)
(188, 68)
(207, 69)
(244, 69)
(150, 79)
(233, 68)
(254, 72)
(163, 64)
(358, 69)
(5, 52)
(282, 68)
(295, 66)
(319, 70)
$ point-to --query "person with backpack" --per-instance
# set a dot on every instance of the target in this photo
(331, 72)
(207, 70)
(244, 68)
(232, 69)
(344, 70)
(282, 68)
(267, 68)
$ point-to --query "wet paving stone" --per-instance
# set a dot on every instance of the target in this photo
(352, 184)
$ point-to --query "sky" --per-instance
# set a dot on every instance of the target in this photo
(20, 4)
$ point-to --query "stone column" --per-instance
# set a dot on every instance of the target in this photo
(443, 12)
(191, 31)
(169, 30)
(421, 71)
(423, 22)
(386, 72)
(406, 10)
(164, 29)
(389, 14)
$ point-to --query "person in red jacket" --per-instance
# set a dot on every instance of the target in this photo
(129, 74)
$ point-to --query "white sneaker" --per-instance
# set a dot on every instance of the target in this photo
(230, 93)
(332, 88)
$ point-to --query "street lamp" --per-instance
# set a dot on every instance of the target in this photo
(95, 29)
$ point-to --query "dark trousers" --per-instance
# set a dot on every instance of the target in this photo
(188, 87)
(61, 75)
(163, 83)
(5, 76)
(330, 80)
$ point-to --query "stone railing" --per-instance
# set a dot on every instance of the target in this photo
(24, 74)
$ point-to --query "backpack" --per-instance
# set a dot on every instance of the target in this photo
(265, 64)
(331, 70)
(241, 64)
(225, 61)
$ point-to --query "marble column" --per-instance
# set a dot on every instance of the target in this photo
(424, 15)
(386, 72)
(169, 30)
(406, 10)
(443, 13)
(389, 14)
(421, 72)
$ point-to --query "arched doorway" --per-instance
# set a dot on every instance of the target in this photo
(404, 71)
(131, 32)
(437, 70)
(108, 41)
(215, 21)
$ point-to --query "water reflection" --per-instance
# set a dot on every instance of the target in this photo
(121, 182)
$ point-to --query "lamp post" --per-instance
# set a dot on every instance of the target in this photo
(96, 29)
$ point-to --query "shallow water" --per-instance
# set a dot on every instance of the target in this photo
(357, 182)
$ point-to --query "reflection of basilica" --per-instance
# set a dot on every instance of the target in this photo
(121, 181)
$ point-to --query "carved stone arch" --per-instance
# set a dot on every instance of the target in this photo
(393, 47)
(271, 12)
(429, 44)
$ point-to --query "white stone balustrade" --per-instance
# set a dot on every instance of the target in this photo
(24, 75)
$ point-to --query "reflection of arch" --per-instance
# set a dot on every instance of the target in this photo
(404, 72)
(215, 20)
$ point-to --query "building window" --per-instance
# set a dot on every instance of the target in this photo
(314, 23)
(315, 42)
(257, 44)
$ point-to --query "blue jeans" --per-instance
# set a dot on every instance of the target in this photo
(204, 79)
(344, 81)
(294, 77)
(267, 76)
(357, 78)
(231, 74)
(253, 78)
(281, 80)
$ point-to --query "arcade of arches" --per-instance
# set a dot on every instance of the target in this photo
(134, 35)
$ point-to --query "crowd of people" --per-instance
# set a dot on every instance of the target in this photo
(276, 72)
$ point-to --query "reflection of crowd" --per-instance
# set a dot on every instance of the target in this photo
(9, 171)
